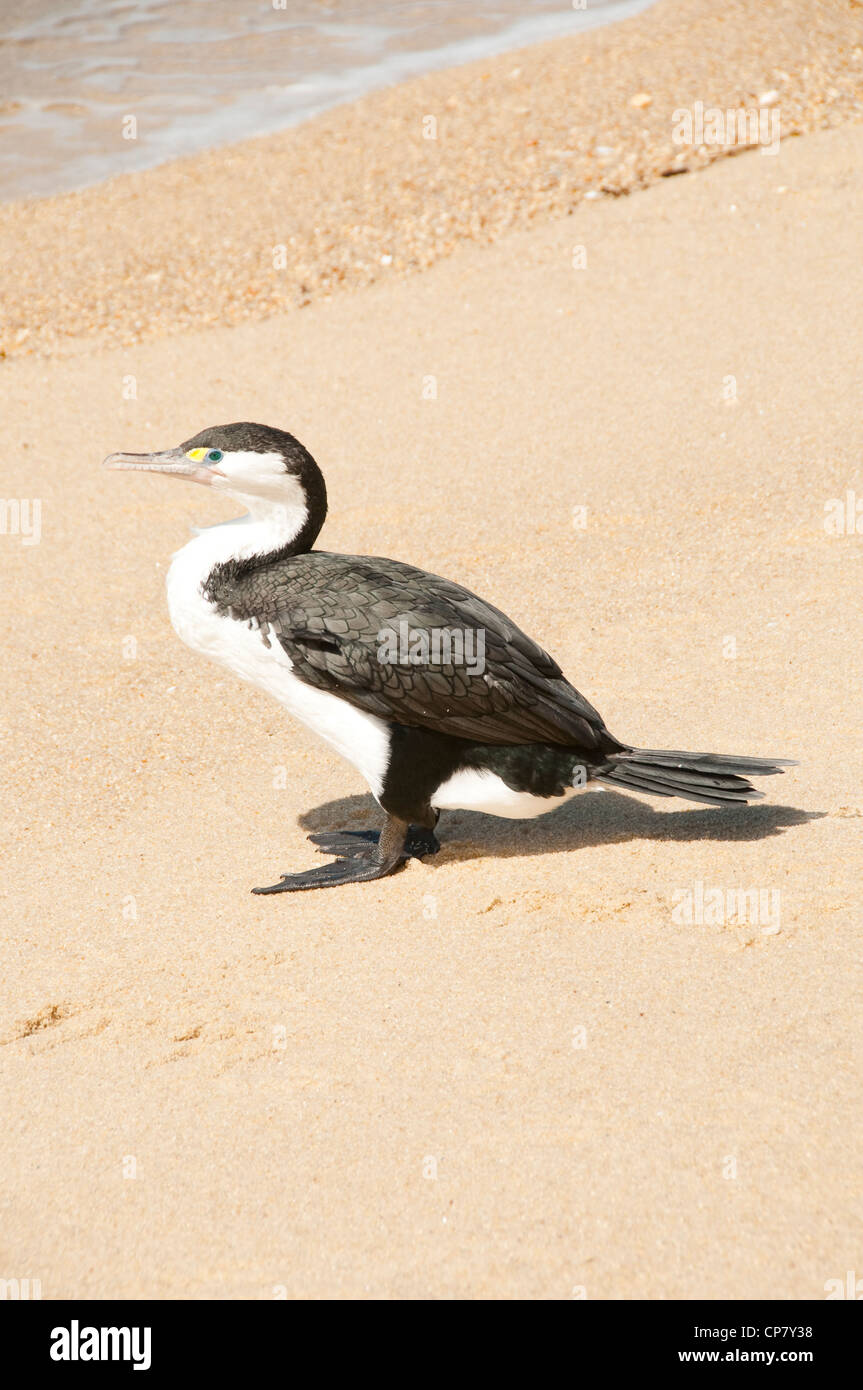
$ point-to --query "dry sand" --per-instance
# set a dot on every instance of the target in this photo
(374, 1092)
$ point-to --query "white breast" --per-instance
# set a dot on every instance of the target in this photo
(361, 738)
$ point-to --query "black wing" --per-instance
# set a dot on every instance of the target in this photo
(332, 614)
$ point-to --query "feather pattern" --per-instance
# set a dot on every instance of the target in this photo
(328, 612)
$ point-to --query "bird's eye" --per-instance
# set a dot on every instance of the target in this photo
(214, 456)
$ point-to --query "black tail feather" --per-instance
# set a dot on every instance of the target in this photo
(713, 778)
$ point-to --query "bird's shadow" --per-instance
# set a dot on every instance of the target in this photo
(604, 819)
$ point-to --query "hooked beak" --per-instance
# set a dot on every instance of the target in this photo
(172, 461)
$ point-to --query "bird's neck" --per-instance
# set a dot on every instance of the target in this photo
(267, 531)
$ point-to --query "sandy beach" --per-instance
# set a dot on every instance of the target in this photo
(517, 1070)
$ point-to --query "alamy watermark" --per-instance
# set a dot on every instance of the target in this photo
(849, 1287)
(699, 905)
(17, 1290)
(22, 517)
(743, 125)
(77, 1343)
(434, 646)
(843, 516)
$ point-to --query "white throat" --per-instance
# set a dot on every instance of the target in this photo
(265, 527)
(241, 538)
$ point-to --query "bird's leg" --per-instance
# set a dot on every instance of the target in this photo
(366, 855)
(420, 842)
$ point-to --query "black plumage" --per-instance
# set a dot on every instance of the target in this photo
(328, 612)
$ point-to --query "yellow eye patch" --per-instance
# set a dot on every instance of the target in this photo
(196, 454)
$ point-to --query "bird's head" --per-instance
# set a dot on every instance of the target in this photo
(267, 470)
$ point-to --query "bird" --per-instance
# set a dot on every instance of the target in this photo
(435, 696)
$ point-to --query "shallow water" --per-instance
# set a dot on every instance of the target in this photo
(198, 73)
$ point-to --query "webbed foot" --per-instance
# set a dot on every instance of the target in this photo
(363, 855)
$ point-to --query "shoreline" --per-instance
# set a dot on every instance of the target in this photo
(359, 194)
(255, 113)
